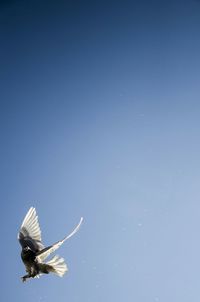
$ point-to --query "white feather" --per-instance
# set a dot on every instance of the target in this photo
(55, 246)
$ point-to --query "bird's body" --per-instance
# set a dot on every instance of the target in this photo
(33, 251)
(30, 262)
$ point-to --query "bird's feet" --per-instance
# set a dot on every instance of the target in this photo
(24, 278)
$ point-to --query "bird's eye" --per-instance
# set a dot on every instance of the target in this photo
(27, 248)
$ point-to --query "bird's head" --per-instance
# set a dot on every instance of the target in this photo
(26, 248)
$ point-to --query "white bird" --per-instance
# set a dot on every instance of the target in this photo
(33, 251)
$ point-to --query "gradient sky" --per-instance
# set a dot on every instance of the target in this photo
(100, 118)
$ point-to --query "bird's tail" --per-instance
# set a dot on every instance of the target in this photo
(57, 266)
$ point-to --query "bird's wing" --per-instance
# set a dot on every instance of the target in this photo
(43, 254)
(30, 233)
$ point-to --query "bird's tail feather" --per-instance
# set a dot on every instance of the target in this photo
(57, 266)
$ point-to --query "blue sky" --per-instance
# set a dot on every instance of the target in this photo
(99, 115)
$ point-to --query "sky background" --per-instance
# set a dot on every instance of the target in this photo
(100, 118)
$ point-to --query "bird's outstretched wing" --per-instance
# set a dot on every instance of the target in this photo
(43, 254)
(30, 233)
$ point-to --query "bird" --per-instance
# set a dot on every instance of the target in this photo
(34, 252)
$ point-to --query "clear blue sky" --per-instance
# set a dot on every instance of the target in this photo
(100, 118)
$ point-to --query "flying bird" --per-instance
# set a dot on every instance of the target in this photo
(34, 252)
